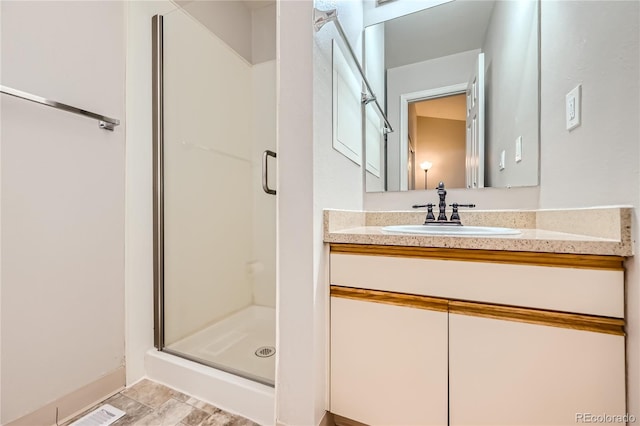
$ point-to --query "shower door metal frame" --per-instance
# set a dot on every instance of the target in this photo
(158, 181)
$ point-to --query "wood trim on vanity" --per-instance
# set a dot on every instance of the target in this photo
(390, 298)
(565, 260)
(591, 323)
(541, 317)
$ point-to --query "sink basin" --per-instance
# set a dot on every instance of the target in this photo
(449, 230)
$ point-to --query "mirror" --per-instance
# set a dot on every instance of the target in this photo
(459, 83)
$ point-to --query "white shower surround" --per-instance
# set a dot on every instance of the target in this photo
(235, 394)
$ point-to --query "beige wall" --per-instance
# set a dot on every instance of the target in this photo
(441, 142)
(62, 202)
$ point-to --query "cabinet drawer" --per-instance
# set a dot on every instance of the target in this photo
(579, 290)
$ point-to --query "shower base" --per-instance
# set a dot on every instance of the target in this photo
(243, 344)
(229, 392)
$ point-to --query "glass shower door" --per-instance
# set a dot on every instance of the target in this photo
(215, 227)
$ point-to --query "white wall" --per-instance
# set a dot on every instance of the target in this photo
(374, 68)
(250, 31)
(295, 365)
(62, 204)
(337, 182)
(597, 163)
(312, 176)
(441, 72)
(484, 199)
(374, 14)
(229, 20)
(263, 34)
(139, 202)
(511, 93)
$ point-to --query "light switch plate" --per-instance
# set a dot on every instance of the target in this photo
(503, 156)
(573, 104)
(518, 149)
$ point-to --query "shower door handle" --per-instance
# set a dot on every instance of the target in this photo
(265, 171)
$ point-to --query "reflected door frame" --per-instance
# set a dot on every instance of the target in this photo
(422, 95)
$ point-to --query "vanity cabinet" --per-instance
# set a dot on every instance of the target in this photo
(388, 363)
(503, 372)
(437, 337)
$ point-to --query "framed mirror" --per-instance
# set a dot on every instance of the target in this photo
(460, 86)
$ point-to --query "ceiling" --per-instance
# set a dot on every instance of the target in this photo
(257, 4)
(250, 4)
(443, 30)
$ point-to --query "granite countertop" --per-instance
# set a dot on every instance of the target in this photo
(598, 231)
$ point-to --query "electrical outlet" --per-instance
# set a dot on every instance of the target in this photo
(518, 149)
(503, 156)
(572, 105)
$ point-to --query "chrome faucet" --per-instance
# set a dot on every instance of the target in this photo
(442, 206)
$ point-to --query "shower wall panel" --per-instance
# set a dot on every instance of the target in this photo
(207, 178)
(263, 266)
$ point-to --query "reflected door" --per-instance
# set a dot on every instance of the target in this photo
(475, 127)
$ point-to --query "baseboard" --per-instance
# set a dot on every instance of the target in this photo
(327, 420)
(231, 393)
(75, 402)
(343, 421)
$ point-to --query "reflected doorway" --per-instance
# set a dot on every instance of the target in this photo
(437, 141)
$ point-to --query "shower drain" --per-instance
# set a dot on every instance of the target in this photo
(265, 351)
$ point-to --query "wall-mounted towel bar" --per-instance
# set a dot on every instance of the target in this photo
(322, 17)
(106, 123)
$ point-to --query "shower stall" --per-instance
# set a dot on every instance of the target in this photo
(214, 196)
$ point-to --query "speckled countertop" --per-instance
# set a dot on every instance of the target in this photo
(600, 230)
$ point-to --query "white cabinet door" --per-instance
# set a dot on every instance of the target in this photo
(388, 363)
(511, 373)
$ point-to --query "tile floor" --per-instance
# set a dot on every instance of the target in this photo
(152, 404)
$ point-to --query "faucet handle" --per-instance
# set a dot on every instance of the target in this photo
(430, 216)
(455, 217)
